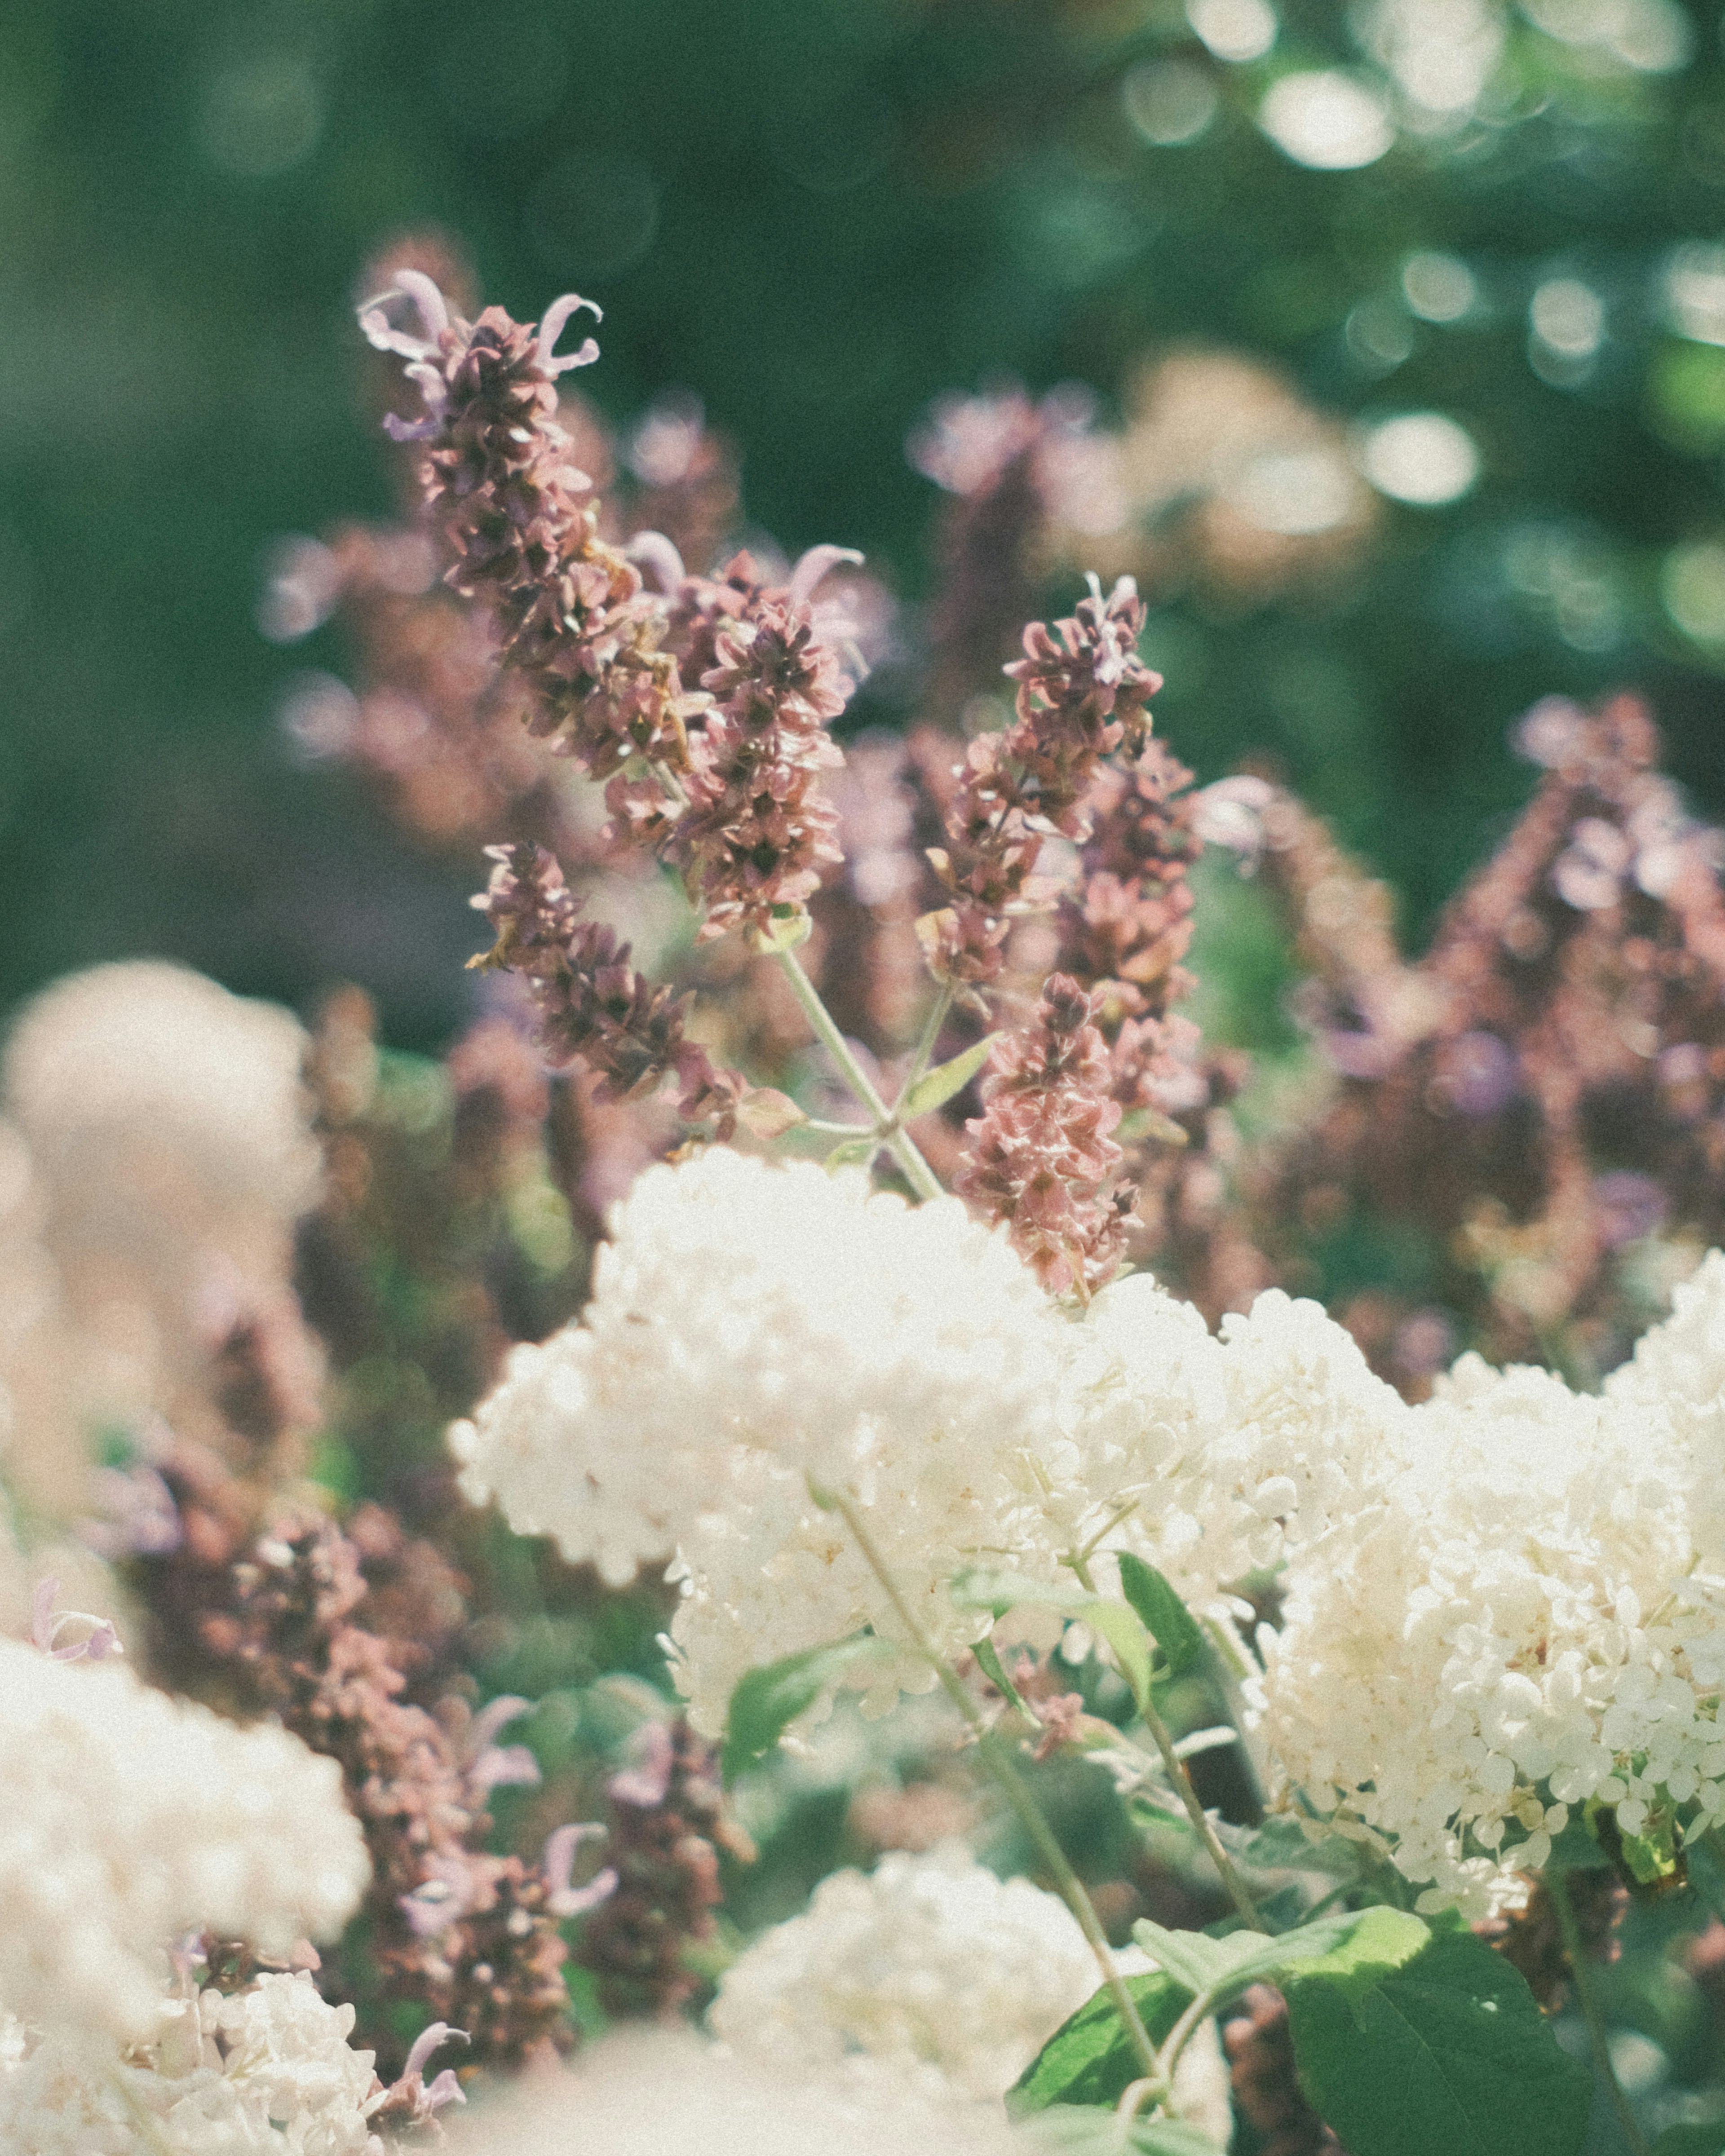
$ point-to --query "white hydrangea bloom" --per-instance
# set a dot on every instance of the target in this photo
(127, 1818)
(1232, 1454)
(928, 1970)
(1524, 1618)
(267, 2069)
(753, 1327)
(1677, 1375)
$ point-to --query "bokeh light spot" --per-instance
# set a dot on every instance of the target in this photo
(1327, 119)
(1439, 288)
(1293, 492)
(1420, 457)
(261, 115)
(1170, 101)
(1692, 585)
(1233, 30)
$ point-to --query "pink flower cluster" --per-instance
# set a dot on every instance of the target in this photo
(593, 1006)
(1042, 1155)
(1083, 692)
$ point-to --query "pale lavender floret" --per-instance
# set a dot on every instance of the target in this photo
(409, 2099)
(557, 315)
(644, 1781)
(46, 1624)
(492, 1766)
(564, 1900)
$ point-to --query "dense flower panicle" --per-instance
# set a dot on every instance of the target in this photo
(929, 1969)
(593, 1006)
(267, 2069)
(752, 1327)
(757, 833)
(277, 1624)
(127, 1818)
(1221, 1456)
(1529, 1617)
(1042, 1157)
(1083, 693)
(521, 519)
(668, 1824)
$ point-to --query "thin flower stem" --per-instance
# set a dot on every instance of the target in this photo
(1585, 1997)
(998, 1761)
(920, 1177)
(924, 1051)
(1175, 1768)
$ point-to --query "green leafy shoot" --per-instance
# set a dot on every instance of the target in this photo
(1072, 2130)
(936, 1087)
(1173, 1626)
(768, 1699)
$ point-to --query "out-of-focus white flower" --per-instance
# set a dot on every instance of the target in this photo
(268, 2069)
(637, 2094)
(928, 1971)
(127, 1818)
(1531, 1616)
(754, 1328)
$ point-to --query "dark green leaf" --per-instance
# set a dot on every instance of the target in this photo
(1166, 1617)
(1090, 2059)
(1444, 2054)
(934, 1088)
(1704, 1860)
(768, 1699)
(1072, 2130)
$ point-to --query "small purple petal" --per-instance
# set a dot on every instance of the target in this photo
(42, 1618)
(496, 1714)
(446, 2089)
(503, 1766)
(557, 315)
(576, 1900)
(654, 552)
(814, 565)
(429, 2041)
(643, 1782)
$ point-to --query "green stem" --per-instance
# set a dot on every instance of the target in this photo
(924, 1051)
(999, 1763)
(1574, 1949)
(1175, 1768)
(920, 1177)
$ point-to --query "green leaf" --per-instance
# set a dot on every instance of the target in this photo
(768, 1699)
(1443, 2053)
(1704, 1861)
(1220, 1970)
(1088, 2059)
(1072, 2130)
(1166, 1617)
(934, 1088)
(989, 1663)
(791, 925)
(853, 1152)
(1691, 2141)
(1134, 1650)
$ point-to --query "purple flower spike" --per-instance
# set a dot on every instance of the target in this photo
(556, 315)
(415, 287)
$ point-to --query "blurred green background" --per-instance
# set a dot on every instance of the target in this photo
(818, 215)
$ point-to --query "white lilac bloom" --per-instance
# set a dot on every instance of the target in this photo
(755, 1330)
(1532, 1615)
(128, 1818)
(928, 1974)
(268, 2070)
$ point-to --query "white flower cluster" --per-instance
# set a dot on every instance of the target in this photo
(1530, 1612)
(1222, 1456)
(127, 1818)
(268, 2069)
(928, 1970)
(754, 1330)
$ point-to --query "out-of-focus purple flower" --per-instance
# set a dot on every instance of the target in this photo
(1629, 1205)
(1423, 1342)
(644, 1781)
(1478, 1073)
(1551, 733)
(1589, 871)
(140, 1518)
(489, 1765)
(562, 1899)
(1230, 812)
(447, 1892)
